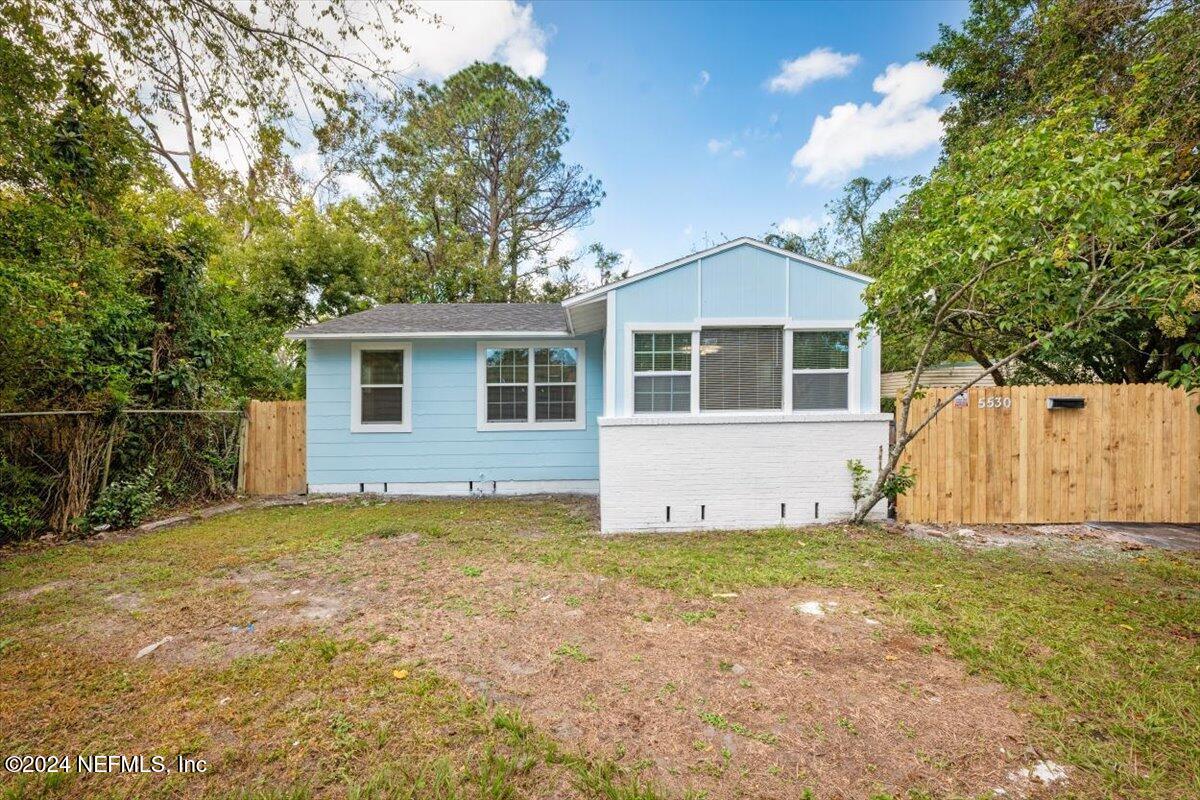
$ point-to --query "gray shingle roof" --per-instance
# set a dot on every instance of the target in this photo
(445, 318)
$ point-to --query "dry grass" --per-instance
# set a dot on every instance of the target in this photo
(497, 649)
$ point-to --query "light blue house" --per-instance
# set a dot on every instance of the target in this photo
(725, 389)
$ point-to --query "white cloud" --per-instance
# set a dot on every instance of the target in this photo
(818, 65)
(718, 146)
(503, 31)
(701, 81)
(903, 123)
(442, 38)
(803, 226)
(566, 245)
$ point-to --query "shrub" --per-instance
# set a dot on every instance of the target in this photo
(126, 503)
(20, 504)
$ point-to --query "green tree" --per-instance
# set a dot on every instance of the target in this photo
(475, 167)
(822, 244)
(567, 275)
(1042, 239)
(1009, 64)
(851, 232)
(853, 210)
(222, 72)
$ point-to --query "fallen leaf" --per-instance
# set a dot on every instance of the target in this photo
(400, 674)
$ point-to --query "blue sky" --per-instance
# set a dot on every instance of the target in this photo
(687, 160)
(704, 121)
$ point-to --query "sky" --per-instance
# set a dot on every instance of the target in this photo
(705, 121)
(709, 121)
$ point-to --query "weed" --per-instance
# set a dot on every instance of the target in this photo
(573, 652)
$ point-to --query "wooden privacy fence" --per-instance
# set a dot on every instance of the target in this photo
(273, 450)
(1130, 454)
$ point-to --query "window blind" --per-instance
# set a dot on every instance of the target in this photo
(741, 369)
(821, 370)
(821, 350)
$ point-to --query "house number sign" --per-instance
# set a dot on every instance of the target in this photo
(995, 402)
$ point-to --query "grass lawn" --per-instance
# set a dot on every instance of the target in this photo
(351, 649)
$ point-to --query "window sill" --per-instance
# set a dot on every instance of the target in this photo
(531, 426)
(745, 418)
(380, 427)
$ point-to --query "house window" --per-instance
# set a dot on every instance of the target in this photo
(554, 374)
(507, 385)
(380, 378)
(820, 370)
(741, 369)
(525, 387)
(662, 372)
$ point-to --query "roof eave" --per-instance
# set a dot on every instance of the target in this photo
(600, 291)
(300, 335)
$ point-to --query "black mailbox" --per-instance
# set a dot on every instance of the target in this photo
(1056, 403)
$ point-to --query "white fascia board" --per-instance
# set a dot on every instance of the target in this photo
(743, 418)
(594, 294)
(300, 336)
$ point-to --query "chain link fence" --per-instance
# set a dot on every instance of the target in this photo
(70, 471)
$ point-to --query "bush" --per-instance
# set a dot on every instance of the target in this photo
(17, 520)
(124, 504)
(20, 504)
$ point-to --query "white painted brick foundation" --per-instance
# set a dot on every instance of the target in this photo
(746, 472)
(460, 488)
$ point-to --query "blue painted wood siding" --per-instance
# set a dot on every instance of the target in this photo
(444, 444)
(741, 283)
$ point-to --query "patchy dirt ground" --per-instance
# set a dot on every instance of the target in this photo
(754, 694)
(1069, 540)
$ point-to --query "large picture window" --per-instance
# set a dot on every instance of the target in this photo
(531, 386)
(662, 372)
(741, 369)
(380, 377)
(820, 370)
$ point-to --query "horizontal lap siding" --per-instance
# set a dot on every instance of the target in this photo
(444, 445)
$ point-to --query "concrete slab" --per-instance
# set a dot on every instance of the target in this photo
(1168, 536)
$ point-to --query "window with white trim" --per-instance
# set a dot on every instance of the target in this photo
(741, 369)
(820, 370)
(662, 372)
(381, 398)
(531, 387)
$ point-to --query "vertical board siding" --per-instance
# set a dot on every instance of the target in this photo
(741, 283)
(744, 282)
(815, 293)
(1132, 454)
(275, 448)
(671, 296)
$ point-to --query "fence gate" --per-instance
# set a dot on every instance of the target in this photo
(1120, 453)
(273, 448)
